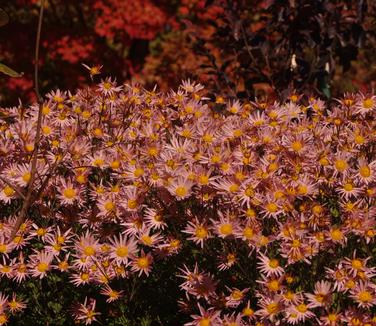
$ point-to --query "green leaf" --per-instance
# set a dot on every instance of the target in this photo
(4, 18)
(8, 71)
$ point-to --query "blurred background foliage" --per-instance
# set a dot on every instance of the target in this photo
(243, 48)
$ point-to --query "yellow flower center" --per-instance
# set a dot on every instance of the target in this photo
(45, 110)
(3, 319)
(46, 130)
(233, 188)
(248, 232)
(42, 267)
(203, 179)
(350, 284)
(237, 295)
(86, 114)
(365, 171)
(122, 251)
(143, 262)
(365, 296)
(273, 285)
(272, 308)
(181, 191)
(215, 159)
(205, 322)
(348, 186)
(356, 264)
(138, 172)
(8, 191)
(319, 297)
(317, 209)
(295, 243)
(225, 229)
(271, 207)
(69, 193)
(296, 146)
(248, 312)
(147, 240)
(115, 164)
(98, 162)
(29, 147)
(109, 206)
(84, 276)
(359, 139)
(3, 248)
(237, 133)
(89, 251)
(107, 86)
(340, 165)
(26, 177)
(368, 103)
(336, 234)
(233, 109)
(90, 314)
(98, 132)
(302, 308)
(63, 265)
(201, 232)
(5, 269)
(273, 263)
(324, 161)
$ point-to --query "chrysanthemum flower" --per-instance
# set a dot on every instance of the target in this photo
(366, 172)
(147, 239)
(154, 219)
(142, 264)
(235, 297)
(112, 294)
(58, 241)
(225, 226)
(270, 267)
(207, 317)
(40, 263)
(107, 206)
(68, 193)
(227, 261)
(270, 307)
(87, 245)
(321, 295)
(15, 305)
(365, 104)
(83, 277)
(364, 294)
(331, 319)
(298, 313)
(199, 232)
(86, 312)
(122, 249)
(180, 188)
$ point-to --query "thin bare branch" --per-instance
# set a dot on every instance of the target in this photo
(28, 198)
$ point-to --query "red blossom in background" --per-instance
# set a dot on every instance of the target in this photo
(71, 50)
(137, 19)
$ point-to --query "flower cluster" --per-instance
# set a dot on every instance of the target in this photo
(281, 194)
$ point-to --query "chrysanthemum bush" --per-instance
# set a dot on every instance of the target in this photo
(264, 212)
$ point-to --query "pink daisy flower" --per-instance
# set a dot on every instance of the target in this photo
(40, 263)
(269, 267)
(122, 249)
(142, 264)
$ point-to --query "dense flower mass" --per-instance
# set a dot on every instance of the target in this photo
(282, 195)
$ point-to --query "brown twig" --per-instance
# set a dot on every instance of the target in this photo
(34, 157)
